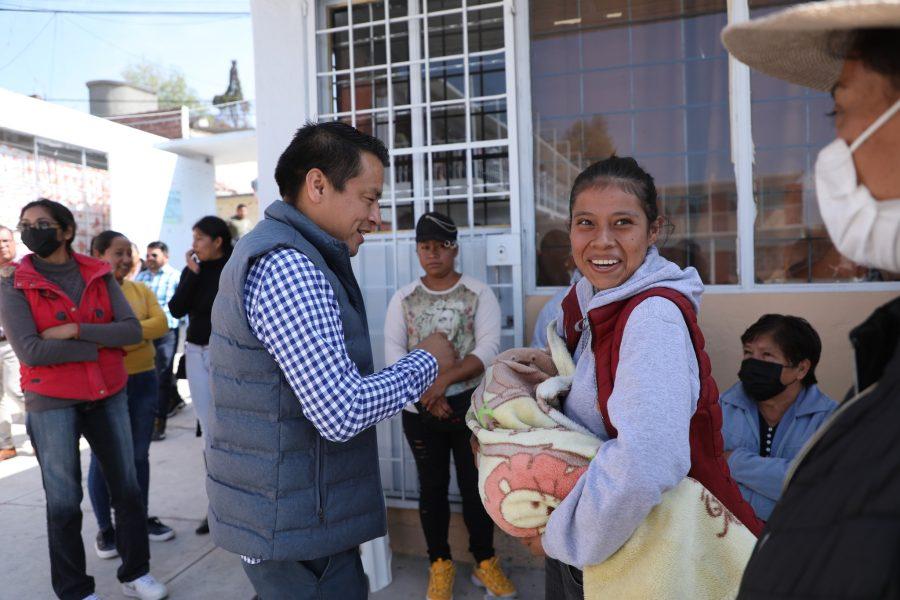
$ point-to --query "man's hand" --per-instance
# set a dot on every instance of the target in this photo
(69, 331)
(434, 393)
(440, 348)
(440, 408)
(434, 400)
(534, 545)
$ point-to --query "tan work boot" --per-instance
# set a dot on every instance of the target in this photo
(7, 453)
(440, 580)
(488, 575)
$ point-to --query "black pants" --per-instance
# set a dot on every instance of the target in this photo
(562, 581)
(432, 448)
(336, 577)
(166, 346)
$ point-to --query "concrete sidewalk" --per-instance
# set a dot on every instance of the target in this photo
(189, 565)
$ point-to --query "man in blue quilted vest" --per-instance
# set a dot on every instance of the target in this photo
(293, 478)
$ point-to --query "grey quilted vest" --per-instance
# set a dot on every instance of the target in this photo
(277, 489)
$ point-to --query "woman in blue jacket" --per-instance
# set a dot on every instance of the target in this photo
(774, 408)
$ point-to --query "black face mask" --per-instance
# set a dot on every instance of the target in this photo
(761, 379)
(42, 242)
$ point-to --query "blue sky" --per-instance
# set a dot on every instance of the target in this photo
(54, 54)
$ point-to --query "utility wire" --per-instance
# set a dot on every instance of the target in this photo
(171, 23)
(100, 38)
(168, 13)
(198, 103)
(28, 45)
(104, 40)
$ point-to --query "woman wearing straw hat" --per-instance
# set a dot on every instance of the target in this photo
(836, 530)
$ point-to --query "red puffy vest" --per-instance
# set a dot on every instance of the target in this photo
(50, 306)
(708, 465)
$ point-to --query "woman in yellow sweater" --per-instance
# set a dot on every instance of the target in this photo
(114, 248)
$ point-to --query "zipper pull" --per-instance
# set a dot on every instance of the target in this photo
(583, 324)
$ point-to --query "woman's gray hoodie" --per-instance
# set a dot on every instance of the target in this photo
(655, 394)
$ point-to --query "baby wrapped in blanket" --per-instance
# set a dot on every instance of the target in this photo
(531, 455)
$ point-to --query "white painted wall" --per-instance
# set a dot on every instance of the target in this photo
(282, 95)
(145, 181)
(179, 192)
(236, 176)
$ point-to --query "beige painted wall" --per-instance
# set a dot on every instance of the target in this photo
(226, 205)
(724, 317)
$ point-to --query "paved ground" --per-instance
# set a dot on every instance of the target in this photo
(190, 565)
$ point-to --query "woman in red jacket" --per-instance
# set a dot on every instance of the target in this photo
(67, 320)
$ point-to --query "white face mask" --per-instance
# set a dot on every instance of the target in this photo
(863, 229)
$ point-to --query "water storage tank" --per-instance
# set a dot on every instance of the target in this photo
(112, 98)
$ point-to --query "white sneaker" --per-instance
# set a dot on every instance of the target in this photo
(145, 587)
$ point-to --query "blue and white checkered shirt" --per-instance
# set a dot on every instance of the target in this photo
(163, 284)
(292, 310)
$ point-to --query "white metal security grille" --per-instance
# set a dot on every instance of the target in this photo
(435, 81)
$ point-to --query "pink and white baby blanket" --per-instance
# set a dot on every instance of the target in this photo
(530, 457)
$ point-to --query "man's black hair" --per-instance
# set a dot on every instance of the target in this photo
(159, 245)
(334, 148)
(794, 336)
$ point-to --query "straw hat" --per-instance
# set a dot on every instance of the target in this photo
(797, 44)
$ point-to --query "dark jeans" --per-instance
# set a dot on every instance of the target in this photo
(165, 360)
(432, 448)
(54, 435)
(336, 577)
(562, 581)
(141, 411)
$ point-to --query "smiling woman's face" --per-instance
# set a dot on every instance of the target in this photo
(610, 235)
(119, 257)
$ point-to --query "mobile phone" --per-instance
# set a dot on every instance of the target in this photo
(195, 258)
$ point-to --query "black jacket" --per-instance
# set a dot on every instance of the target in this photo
(835, 533)
(194, 297)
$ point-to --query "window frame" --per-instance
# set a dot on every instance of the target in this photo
(422, 147)
(742, 150)
(40, 147)
(423, 197)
